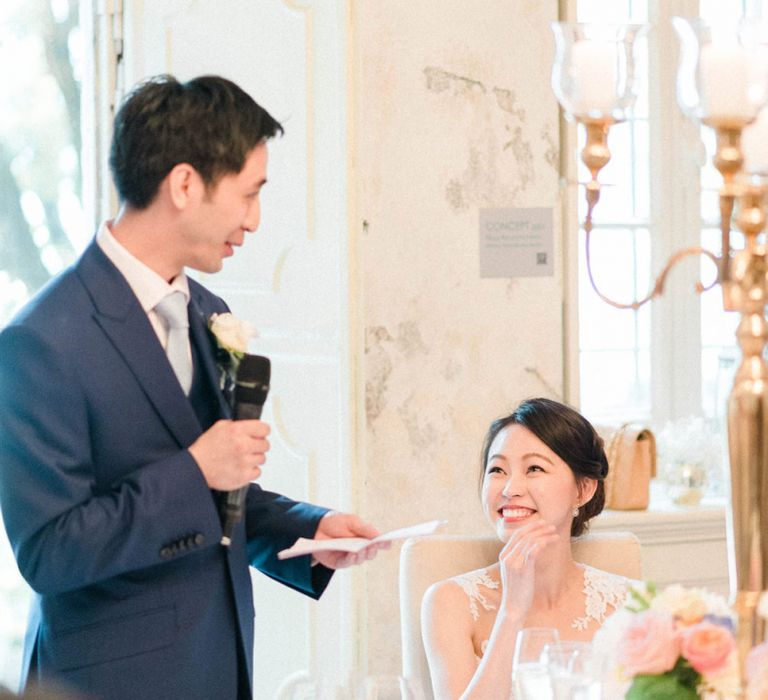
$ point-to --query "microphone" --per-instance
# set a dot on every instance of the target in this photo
(251, 387)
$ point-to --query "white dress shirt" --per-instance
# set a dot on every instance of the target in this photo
(149, 287)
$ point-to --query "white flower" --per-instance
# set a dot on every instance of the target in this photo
(718, 606)
(724, 685)
(606, 644)
(690, 604)
(676, 599)
(762, 606)
(231, 333)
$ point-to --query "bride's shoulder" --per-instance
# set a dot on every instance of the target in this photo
(605, 580)
(470, 591)
(488, 577)
(604, 592)
(467, 583)
(611, 589)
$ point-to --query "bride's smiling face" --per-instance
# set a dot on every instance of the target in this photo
(525, 480)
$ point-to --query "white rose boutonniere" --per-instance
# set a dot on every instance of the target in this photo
(231, 335)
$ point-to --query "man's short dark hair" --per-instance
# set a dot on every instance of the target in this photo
(208, 122)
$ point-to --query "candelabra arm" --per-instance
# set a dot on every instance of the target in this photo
(728, 160)
(596, 155)
(726, 212)
(658, 287)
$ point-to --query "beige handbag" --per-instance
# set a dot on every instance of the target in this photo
(631, 453)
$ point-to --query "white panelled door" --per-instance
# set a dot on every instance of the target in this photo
(290, 279)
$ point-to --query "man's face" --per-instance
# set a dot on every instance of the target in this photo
(225, 214)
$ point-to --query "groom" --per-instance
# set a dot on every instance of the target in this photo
(116, 450)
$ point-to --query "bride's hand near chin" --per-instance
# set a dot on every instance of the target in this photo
(517, 562)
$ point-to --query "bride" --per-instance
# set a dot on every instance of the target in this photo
(542, 480)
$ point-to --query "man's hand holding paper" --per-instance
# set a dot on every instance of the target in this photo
(334, 526)
(344, 540)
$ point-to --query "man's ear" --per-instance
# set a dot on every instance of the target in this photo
(185, 186)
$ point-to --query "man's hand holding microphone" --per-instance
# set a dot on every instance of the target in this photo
(230, 455)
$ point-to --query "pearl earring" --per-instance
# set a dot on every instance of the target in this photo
(576, 512)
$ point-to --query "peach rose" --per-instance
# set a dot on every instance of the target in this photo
(692, 613)
(686, 604)
(651, 645)
(707, 646)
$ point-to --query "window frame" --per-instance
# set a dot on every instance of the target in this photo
(101, 88)
(676, 155)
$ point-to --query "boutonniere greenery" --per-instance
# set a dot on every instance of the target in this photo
(231, 335)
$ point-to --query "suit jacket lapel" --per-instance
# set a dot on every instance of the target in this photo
(125, 323)
(203, 340)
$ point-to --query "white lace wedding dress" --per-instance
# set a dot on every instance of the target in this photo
(603, 593)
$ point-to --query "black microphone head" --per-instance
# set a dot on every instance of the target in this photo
(252, 380)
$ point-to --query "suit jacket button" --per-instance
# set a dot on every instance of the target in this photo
(199, 539)
(165, 553)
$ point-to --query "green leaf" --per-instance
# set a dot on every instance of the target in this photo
(685, 673)
(666, 686)
(643, 602)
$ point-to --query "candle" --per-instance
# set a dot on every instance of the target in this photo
(754, 144)
(724, 85)
(593, 68)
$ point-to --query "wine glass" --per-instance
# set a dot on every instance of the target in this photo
(530, 678)
(302, 685)
(573, 670)
(389, 687)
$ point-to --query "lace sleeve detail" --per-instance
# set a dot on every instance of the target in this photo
(603, 593)
(471, 584)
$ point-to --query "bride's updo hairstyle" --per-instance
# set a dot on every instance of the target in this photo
(571, 437)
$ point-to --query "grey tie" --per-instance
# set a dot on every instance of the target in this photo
(173, 311)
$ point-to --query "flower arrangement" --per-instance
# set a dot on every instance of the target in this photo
(231, 336)
(678, 644)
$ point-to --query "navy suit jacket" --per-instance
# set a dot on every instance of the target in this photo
(109, 516)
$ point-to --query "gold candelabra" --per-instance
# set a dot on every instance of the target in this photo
(596, 155)
(593, 79)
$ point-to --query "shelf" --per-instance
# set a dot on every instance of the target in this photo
(680, 544)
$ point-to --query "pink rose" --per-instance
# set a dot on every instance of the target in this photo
(707, 646)
(651, 644)
(757, 660)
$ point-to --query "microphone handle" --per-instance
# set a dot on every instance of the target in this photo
(233, 503)
(248, 411)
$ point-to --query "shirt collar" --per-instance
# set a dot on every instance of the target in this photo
(149, 287)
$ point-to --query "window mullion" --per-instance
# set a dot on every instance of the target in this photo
(675, 223)
(108, 87)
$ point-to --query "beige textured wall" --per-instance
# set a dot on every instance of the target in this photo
(453, 113)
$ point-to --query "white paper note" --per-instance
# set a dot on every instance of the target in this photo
(304, 546)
